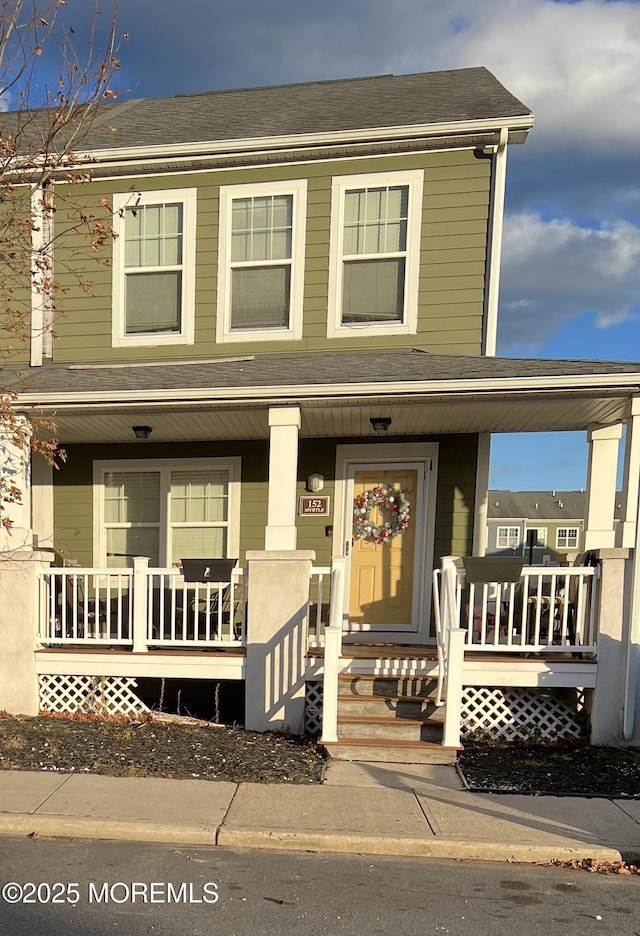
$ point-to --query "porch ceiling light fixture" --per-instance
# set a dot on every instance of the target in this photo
(142, 432)
(380, 423)
(315, 482)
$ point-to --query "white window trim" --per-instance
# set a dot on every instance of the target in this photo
(165, 467)
(570, 532)
(298, 189)
(507, 530)
(186, 335)
(414, 179)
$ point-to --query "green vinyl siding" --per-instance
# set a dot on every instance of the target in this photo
(73, 491)
(452, 260)
(15, 275)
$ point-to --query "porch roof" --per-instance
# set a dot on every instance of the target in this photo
(338, 392)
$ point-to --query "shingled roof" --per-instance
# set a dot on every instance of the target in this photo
(313, 107)
(540, 505)
(318, 107)
(322, 369)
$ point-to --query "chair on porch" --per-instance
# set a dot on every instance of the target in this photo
(221, 606)
(550, 611)
(485, 611)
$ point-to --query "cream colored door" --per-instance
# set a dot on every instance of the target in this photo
(382, 579)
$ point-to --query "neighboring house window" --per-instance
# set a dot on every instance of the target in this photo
(154, 268)
(166, 511)
(539, 536)
(261, 261)
(375, 253)
(508, 537)
(567, 537)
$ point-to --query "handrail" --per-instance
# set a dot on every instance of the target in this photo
(332, 653)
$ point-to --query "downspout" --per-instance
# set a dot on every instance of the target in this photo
(494, 252)
(633, 643)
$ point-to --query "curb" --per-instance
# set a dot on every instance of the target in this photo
(115, 830)
(344, 844)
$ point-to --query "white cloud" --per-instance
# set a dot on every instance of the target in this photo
(577, 65)
(554, 270)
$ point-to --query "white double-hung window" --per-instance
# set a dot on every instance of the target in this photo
(508, 537)
(166, 511)
(375, 253)
(154, 268)
(567, 537)
(261, 261)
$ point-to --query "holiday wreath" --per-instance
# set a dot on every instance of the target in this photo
(388, 499)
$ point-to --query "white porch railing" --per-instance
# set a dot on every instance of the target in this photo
(86, 606)
(320, 594)
(549, 610)
(140, 608)
(332, 652)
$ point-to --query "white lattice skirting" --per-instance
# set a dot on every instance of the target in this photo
(94, 695)
(313, 708)
(518, 714)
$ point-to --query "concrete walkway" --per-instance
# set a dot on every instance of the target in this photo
(375, 809)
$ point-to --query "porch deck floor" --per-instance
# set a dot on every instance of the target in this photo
(374, 651)
(189, 652)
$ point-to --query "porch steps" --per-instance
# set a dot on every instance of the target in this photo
(391, 752)
(391, 719)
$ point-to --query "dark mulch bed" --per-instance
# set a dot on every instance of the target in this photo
(560, 770)
(119, 748)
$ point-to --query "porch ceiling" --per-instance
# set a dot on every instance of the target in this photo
(423, 415)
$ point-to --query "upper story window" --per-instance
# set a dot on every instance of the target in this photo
(375, 253)
(154, 268)
(261, 261)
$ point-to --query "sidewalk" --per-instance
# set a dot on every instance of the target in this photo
(376, 809)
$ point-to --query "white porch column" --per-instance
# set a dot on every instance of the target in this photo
(601, 486)
(15, 470)
(481, 496)
(626, 530)
(608, 698)
(18, 631)
(42, 501)
(281, 532)
(277, 632)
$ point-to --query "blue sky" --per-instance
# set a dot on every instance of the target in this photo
(571, 264)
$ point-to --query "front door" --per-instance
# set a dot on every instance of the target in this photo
(382, 576)
(388, 583)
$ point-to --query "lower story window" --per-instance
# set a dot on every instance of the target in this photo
(508, 537)
(167, 512)
(567, 538)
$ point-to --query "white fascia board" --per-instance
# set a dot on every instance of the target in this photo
(366, 134)
(433, 388)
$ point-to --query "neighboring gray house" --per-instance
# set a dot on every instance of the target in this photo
(542, 526)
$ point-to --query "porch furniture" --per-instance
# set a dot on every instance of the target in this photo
(489, 571)
(218, 608)
(547, 612)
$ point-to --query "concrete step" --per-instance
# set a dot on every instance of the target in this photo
(391, 752)
(390, 706)
(386, 686)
